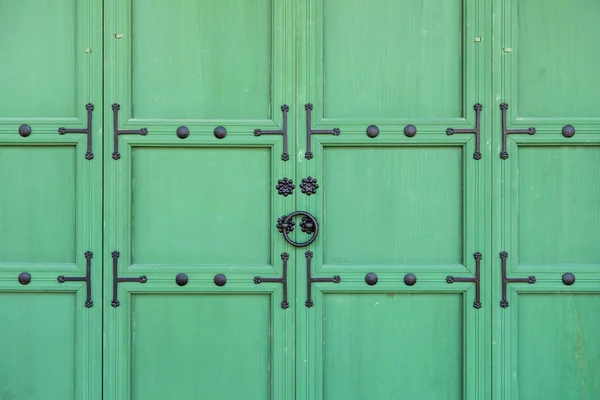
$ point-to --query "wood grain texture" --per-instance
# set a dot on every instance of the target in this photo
(50, 200)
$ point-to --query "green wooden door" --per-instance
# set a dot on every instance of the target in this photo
(546, 197)
(191, 206)
(216, 122)
(401, 204)
(50, 200)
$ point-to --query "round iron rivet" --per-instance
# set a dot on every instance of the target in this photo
(410, 279)
(568, 131)
(220, 280)
(371, 279)
(183, 132)
(220, 132)
(181, 279)
(410, 130)
(372, 131)
(24, 278)
(568, 279)
(24, 130)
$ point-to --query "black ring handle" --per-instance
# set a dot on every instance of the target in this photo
(286, 230)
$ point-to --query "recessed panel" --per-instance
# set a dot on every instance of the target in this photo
(377, 346)
(392, 59)
(201, 206)
(202, 59)
(37, 346)
(37, 204)
(201, 347)
(558, 213)
(558, 353)
(395, 205)
(557, 69)
(38, 58)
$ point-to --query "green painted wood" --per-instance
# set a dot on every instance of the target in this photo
(50, 200)
(394, 205)
(201, 206)
(390, 205)
(545, 202)
(191, 350)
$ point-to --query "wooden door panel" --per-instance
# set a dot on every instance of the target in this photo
(401, 201)
(546, 194)
(202, 353)
(193, 208)
(374, 344)
(50, 200)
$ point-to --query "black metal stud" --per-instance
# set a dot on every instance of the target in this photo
(24, 278)
(371, 278)
(309, 186)
(477, 131)
(372, 131)
(116, 132)
(181, 279)
(182, 132)
(568, 279)
(283, 131)
(506, 281)
(283, 280)
(310, 280)
(116, 280)
(568, 131)
(309, 131)
(506, 132)
(476, 279)
(220, 132)
(285, 187)
(410, 279)
(220, 280)
(410, 130)
(24, 130)
(87, 278)
(88, 131)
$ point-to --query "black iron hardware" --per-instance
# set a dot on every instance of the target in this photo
(88, 131)
(506, 132)
(182, 132)
(285, 225)
(410, 130)
(181, 279)
(568, 131)
(283, 280)
(24, 130)
(477, 131)
(475, 279)
(24, 278)
(87, 278)
(310, 280)
(220, 132)
(309, 186)
(371, 279)
(220, 280)
(309, 131)
(116, 155)
(285, 187)
(372, 131)
(568, 279)
(505, 280)
(257, 132)
(410, 279)
(116, 280)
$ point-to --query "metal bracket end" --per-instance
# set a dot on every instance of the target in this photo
(116, 132)
(285, 156)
